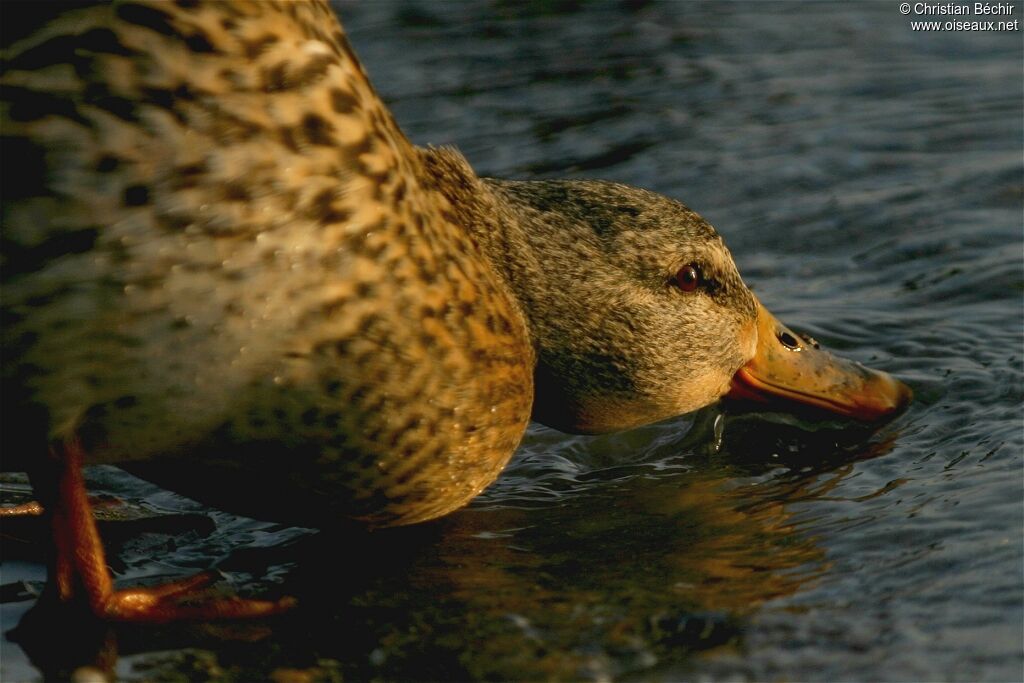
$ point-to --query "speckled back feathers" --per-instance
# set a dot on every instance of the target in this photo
(226, 265)
(223, 234)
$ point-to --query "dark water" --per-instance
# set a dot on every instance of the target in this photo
(868, 179)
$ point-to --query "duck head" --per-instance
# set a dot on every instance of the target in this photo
(637, 312)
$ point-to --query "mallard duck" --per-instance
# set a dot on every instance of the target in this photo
(223, 260)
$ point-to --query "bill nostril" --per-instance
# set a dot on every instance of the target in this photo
(788, 340)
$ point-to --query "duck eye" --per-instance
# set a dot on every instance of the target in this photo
(688, 278)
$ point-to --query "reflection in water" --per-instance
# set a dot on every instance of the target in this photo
(611, 580)
(624, 568)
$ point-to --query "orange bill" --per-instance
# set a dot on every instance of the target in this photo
(789, 367)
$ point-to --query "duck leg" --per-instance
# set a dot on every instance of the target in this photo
(79, 570)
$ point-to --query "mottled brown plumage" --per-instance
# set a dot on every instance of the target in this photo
(224, 238)
(224, 264)
(227, 246)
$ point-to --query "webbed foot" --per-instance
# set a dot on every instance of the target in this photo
(78, 571)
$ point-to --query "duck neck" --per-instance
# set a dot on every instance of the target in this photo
(490, 221)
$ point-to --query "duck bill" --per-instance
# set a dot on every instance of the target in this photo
(789, 368)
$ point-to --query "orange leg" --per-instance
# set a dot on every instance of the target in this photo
(80, 570)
